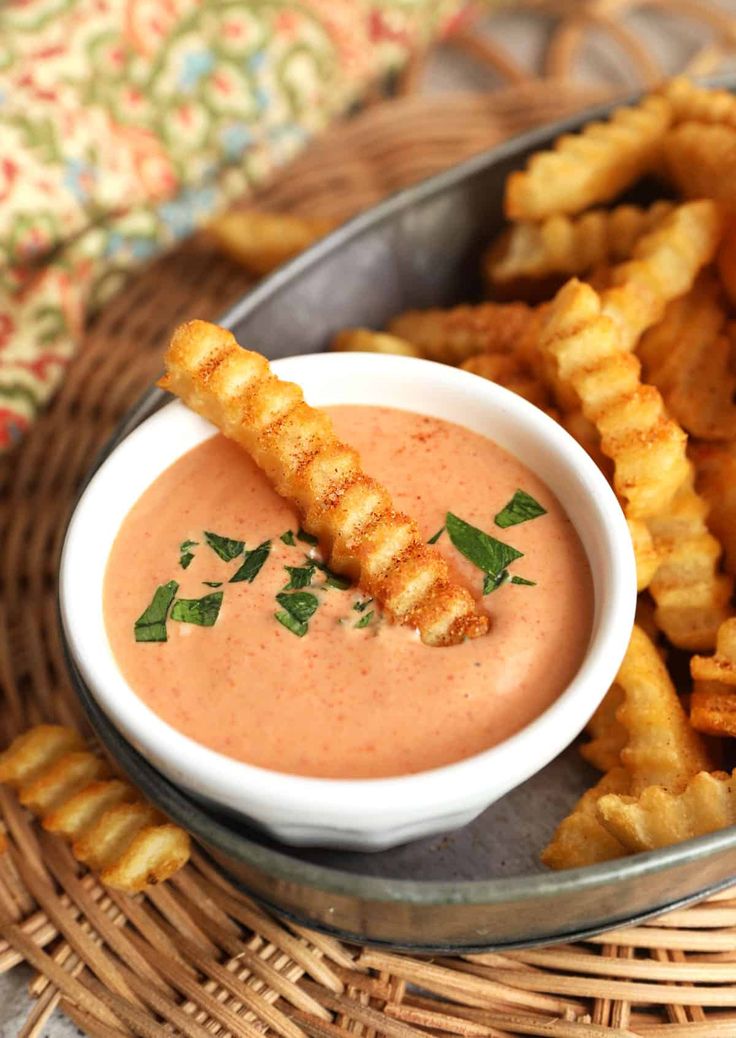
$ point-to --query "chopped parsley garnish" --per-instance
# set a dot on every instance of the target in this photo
(365, 619)
(212, 583)
(200, 611)
(291, 623)
(151, 624)
(298, 608)
(299, 576)
(363, 604)
(332, 579)
(308, 538)
(288, 538)
(520, 509)
(300, 604)
(185, 555)
(253, 563)
(524, 581)
(491, 583)
(486, 552)
(436, 537)
(227, 548)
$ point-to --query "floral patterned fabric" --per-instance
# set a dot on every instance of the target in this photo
(126, 123)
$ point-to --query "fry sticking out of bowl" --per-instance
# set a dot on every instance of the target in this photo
(297, 448)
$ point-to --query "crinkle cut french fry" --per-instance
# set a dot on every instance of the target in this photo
(155, 853)
(645, 552)
(34, 750)
(693, 103)
(364, 340)
(569, 245)
(691, 595)
(664, 265)
(109, 826)
(659, 817)
(262, 241)
(646, 447)
(713, 708)
(297, 448)
(726, 260)
(715, 469)
(451, 336)
(700, 160)
(661, 746)
(687, 356)
(607, 735)
(511, 373)
(720, 667)
(62, 779)
(590, 167)
(580, 839)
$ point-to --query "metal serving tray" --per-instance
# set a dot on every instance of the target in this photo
(480, 887)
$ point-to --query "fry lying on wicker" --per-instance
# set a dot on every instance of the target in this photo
(569, 245)
(590, 167)
(349, 512)
(110, 828)
(260, 242)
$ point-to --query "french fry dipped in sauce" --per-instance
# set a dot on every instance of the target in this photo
(349, 512)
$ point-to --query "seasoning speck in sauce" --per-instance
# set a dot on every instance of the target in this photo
(347, 699)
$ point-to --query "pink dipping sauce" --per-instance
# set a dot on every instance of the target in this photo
(342, 702)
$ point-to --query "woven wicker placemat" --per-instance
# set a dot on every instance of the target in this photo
(194, 957)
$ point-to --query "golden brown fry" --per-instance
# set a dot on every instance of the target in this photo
(363, 340)
(452, 336)
(110, 827)
(661, 747)
(687, 356)
(713, 709)
(664, 265)
(511, 373)
(691, 595)
(155, 853)
(720, 667)
(350, 513)
(690, 102)
(726, 260)
(607, 735)
(715, 469)
(645, 553)
(34, 750)
(580, 839)
(700, 161)
(646, 447)
(590, 167)
(660, 817)
(79, 812)
(62, 779)
(564, 245)
(111, 835)
(583, 430)
(644, 619)
(263, 241)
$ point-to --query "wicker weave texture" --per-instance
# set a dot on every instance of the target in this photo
(194, 957)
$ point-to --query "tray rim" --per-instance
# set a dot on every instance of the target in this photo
(384, 889)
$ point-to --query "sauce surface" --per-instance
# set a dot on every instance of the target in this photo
(344, 702)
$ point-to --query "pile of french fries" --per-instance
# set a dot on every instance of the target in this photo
(110, 828)
(620, 321)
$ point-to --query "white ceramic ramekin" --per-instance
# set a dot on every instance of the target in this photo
(365, 814)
